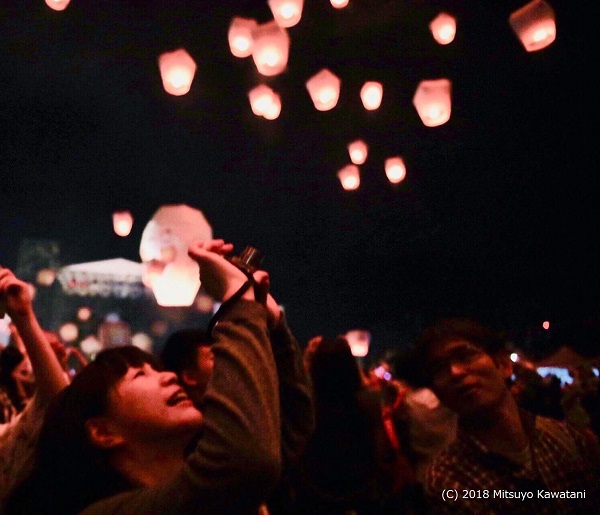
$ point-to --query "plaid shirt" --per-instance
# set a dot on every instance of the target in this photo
(483, 482)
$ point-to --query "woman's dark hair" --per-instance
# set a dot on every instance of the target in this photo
(11, 358)
(71, 472)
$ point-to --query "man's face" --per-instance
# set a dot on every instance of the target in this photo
(466, 379)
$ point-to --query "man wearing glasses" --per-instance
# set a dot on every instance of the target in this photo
(504, 460)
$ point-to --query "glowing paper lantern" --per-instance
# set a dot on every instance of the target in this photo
(432, 101)
(358, 151)
(122, 222)
(324, 90)
(534, 24)
(261, 97)
(84, 313)
(68, 332)
(57, 5)
(240, 36)
(142, 341)
(272, 112)
(359, 341)
(177, 70)
(443, 28)
(371, 94)
(395, 169)
(271, 48)
(287, 13)
(90, 346)
(339, 4)
(45, 277)
(349, 176)
(177, 285)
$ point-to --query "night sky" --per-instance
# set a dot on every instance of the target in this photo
(496, 219)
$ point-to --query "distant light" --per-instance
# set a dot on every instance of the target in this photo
(596, 371)
(142, 341)
(371, 94)
(84, 313)
(45, 277)
(271, 48)
(324, 90)
(177, 70)
(286, 13)
(122, 223)
(359, 341)
(339, 4)
(443, 28)
(534, 24)
(546, 325)
(272, 112)
(57, 5)
(562, 373)
(432, 101)
(90, 345)
(240, 36)
(514, 357)
(358, 151)
(261, 97)
(349, 177)
(112, 317)
(177, 286)
(68, 332)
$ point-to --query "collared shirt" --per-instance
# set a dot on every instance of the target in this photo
(562, 476)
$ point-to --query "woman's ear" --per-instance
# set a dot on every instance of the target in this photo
(103, 433)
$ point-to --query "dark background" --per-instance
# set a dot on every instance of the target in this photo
(496, 219)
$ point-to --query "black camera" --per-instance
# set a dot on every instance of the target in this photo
(249, 261)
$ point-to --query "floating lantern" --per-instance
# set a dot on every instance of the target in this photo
(287, 13)
(272, 112)
(395, 169)
(90, 346)
(122, 223)
(339, 4)
(271, 48)
(84, 313)
(432, 101)
(359, 341)
(443, 28)
(177, 285)
(358, 151)
(142, 341)
(371, 94)
(57, 5)
(261, 97)
(349, 176)
(68, 332)
(534, 24)
(240, 36)
(45, 277)
(324, 90)
(177, 70)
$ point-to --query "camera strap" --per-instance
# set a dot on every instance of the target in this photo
(225, 306)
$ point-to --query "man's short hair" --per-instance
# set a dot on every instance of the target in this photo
(180, 349)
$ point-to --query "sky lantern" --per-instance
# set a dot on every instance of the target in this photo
(45, 277)
(84, 313)
(358, 151)
(359, 341)
(172, 274)
(287, 13)
(534, 24)
(395, 169)
(432, 101)
(57, 5)
(443, 28)
(271, 48)
(371, 94)
(261, 97)
(324, 89)
(177, 70)
(240, 36)
(122, 223)
(339, 4)
(272, 112)
(349, 176)
(68, 332)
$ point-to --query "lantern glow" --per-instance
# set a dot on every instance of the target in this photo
(177, 285)
(443, 28)
(359, 341)
(122, 223)
(271, 48)
(349, 177)
(68, 332)
(339, 4)
(534, 24)
(272, 112)
(432, 101)
(58, 5)
(45, 277)
(358, 151)
(395, 169)
(286, 13)
(177, 70)
(240, 36)
(261, 97)
(371, 94)
(324, 90)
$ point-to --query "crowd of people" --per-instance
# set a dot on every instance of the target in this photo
(239, 417)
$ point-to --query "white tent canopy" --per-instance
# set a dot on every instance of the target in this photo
(111, 277)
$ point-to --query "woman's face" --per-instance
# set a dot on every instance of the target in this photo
(148, 404)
